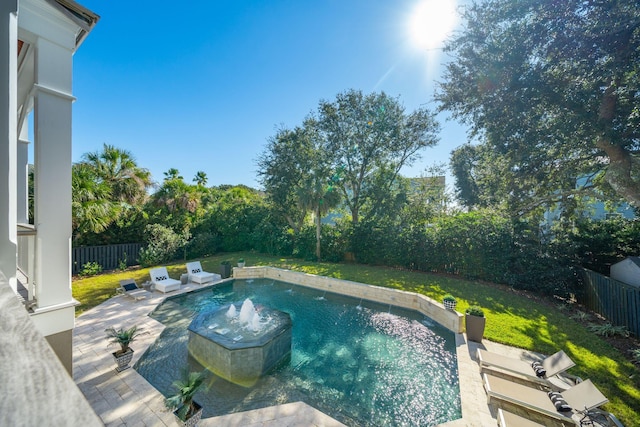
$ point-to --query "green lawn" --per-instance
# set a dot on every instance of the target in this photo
(512, 319)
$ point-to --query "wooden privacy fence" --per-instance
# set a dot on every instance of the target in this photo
(618, 302)
(109, 256)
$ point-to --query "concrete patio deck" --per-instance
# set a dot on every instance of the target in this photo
(127, 399)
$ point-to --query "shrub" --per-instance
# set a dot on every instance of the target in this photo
(202, 245)
(635, 355)
(163, 245)
(608, 330)
(449, 297)
(90, 269)
(122, 337)
(272, 237)
(186, 387)
(475, 310)
(580, 316)
(122, 264)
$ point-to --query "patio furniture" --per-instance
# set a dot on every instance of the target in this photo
(581, 398)
(161, 280)
(129, 288)
(196, 275)
(553, 365)
(509, 419)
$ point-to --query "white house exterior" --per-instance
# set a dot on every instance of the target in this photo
(627, 271)
(37, 41)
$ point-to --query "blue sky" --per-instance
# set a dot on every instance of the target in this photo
(202, 85)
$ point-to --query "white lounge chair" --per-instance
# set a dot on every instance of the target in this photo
(509, 419)
(553, 365)
(196, 275)
(161, 280)
(582, 398)
(129, 288)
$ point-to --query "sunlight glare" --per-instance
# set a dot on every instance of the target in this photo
(431, 21)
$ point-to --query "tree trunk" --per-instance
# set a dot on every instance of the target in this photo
(318, 231)
(621, 172)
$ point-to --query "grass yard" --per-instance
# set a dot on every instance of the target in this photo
(513, 318)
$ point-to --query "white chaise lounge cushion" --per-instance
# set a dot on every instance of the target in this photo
(161, 280)
(196, 275)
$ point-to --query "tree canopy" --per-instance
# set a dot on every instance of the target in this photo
(349, 153)
(371, 138)
(106, 185)
(553, 89)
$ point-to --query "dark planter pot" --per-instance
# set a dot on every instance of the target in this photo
(475, 327)
(193, 420)
(225, 271)
(123, 360)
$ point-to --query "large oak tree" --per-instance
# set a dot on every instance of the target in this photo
(370, 138)
(553, 89)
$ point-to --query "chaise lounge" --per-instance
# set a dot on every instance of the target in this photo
(552, 366)
(580, 399)
(196, 275)
(509, 419)
(161, 280)
(129, 288)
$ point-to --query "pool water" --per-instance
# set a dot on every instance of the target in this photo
(362, 363)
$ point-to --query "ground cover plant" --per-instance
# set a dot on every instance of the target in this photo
(514, 317)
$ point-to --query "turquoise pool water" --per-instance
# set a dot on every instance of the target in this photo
(363, 363)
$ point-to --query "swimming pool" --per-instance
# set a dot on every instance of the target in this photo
(361, 362)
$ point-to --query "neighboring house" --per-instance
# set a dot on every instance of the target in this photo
(38, 39)
(596, 209)
(627, 271)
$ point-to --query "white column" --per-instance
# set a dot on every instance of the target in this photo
(8, 137)
(23, 174)
(52, 162)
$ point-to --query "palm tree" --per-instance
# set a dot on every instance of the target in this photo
(318, 195)
(172, 174)
(91, 205)
(200, 179)
(316, 192)
(118, 168)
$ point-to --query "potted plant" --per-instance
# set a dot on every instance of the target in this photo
(475, 321)
(122, 337)
(225, 269)
(449, 302)
(241, 262)
(187, 410)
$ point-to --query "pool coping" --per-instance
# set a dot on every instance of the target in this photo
(126, 398)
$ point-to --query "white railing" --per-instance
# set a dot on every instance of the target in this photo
(27, 258)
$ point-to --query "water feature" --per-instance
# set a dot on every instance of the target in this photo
(240, 348)
(350, 358)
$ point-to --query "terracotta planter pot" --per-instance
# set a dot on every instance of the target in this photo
(475, 327)
(123, 360)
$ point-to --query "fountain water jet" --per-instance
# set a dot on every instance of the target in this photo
(240, 347)
(231, 313)
(247, 312)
